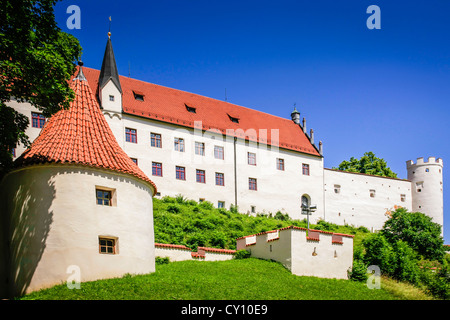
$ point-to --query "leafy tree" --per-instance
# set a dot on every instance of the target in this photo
(36, 61)
(368, 164)
(417, 230)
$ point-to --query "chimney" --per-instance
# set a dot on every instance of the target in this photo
(321, 148)
(311, 136)
(304, 125)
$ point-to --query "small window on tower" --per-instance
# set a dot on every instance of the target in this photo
(372, 193)
(403, 197)
(111, 98)
(419, 186)
(107, 245)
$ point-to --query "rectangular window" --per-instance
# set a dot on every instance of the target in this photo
(157, 169)
(221, 204)
(251, 158)
(155, 140)
(200, 148)
(280, 164)
(111, 98)
(180, 173)
(218, 152)
(403, 197)
(305, 169)
(37, 120)
(220, 179)
(130, 135)
(372, 193)
(107, 245)
(104, 197)
(200, 176)
(253, 209)
(252, 184)
(179, 144)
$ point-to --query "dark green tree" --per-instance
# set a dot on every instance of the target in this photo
(417, 230)
(36, 61)
(368, 164)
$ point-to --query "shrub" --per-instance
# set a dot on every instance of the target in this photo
(379, 252)
(162, 260)
(326, 226)
(206, 205)
(242, 254)
(173, 208)
(358, 271)
(280, 216)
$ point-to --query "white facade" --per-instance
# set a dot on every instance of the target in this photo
(363, 200)
(55, 225)
(317, 253)
(360, 200)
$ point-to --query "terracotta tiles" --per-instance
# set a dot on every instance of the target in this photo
(169, 105)
(80, 135)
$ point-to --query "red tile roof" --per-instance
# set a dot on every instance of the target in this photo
(80, 135)
(170, 105)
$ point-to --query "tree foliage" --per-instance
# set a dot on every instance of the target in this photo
(417, 230)
(368, 164)
(36, 61)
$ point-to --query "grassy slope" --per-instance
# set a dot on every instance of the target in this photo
(192, 224)
(247, 279)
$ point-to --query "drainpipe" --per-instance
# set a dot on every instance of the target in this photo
(235, 175)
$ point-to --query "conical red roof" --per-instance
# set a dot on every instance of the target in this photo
(80, 135)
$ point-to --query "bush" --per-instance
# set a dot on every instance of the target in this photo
(242, 254)
(162, 260)
(358, 271)
(173, 208)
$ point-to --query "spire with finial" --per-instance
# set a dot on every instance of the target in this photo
(109, 67)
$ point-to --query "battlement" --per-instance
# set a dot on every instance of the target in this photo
(421, 162)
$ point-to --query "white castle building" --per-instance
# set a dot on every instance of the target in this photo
(120, 131)
(207, 149)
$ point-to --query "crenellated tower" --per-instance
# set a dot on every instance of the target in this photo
(427, 187)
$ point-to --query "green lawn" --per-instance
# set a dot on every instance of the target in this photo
(246, 279)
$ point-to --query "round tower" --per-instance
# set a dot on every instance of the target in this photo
(427, 187)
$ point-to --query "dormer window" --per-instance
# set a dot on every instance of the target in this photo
(190, 109)
(233, 119)
(138, 96)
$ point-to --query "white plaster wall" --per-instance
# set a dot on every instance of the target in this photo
(26, 109)
(331, 260)
(353, 204)
(110, 106)
(429, 200)
(279, 250)
(173, 254)
(215, 256)
(277, 190)
(55, 223)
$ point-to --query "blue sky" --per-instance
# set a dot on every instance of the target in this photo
(386, 90)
